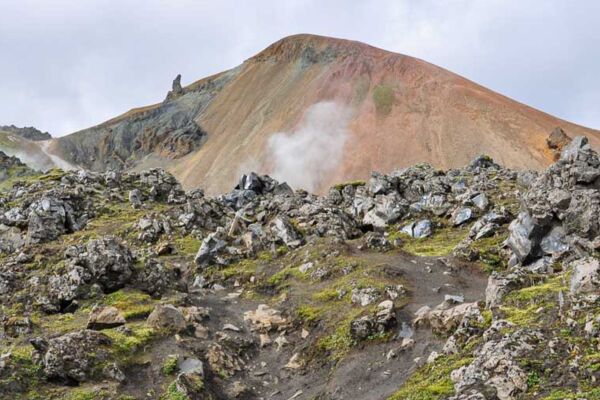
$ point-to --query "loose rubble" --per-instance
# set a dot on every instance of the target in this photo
(239, 295)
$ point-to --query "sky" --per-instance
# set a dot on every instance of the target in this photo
(67, 65)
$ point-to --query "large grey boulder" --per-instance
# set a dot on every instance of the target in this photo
(74, 357)
(387, 210)
(49, 218)
(109, 262)
(525, 236)
(419, 229)
(210, 247)
(495, 371)
(461, 215)
(11, 239)
(283, 230)
(575, 148)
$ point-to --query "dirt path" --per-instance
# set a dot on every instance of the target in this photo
(366, 373)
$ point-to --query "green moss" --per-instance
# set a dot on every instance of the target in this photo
(61, 323)
(132, 303)
(309, 314)
(489, 251)
(384, 99)
(541, 293)
(432, 381)
(593, 394)
(521, 306)
(187, 245)
(327, 294)
(521, 317)
(265, 256)
(87, 394)
(341, 186)
(125, 345)
(169, 366)
(339, 343)
(279, 278)
(28, 373)
(441, 243)
(173, 394)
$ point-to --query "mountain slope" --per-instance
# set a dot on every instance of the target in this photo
(401, 110)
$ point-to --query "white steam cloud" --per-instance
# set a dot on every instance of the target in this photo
(305, 157)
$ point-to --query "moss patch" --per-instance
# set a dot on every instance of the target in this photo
(432, 381)
(134, 304)
(384, 99)
(441, 243)
(125, 346)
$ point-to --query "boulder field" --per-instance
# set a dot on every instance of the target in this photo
(478, 282)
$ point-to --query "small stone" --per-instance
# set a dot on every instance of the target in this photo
(231, 327)
(306, 266)
(294, 363)
(432, 357)
(166, 317)
(200, 331)
(105, 318)
(281, 341)
(265, 339)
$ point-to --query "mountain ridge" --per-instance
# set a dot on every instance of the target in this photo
(403, 110)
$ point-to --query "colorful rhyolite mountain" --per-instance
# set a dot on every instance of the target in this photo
(396, 111)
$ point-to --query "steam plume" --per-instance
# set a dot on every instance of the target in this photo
(306, 156)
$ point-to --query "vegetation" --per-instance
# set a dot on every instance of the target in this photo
(126, 345)
(170, 364)
(341, 186)
(133, 304)
(441, 243)
(432, 381)
(384, 99)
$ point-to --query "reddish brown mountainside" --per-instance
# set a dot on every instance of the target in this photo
(402, 111)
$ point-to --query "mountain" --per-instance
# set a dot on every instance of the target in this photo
(385, 110)
(28, 144)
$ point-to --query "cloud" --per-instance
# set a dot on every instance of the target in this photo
(69, 65)
(305, 157)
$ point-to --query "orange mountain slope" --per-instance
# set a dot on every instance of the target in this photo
(397, 111)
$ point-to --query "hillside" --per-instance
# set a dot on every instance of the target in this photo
(387, 110)
(479, 282)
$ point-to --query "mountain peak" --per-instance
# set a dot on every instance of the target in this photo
(314, 49)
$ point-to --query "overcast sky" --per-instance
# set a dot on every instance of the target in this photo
(67, 65)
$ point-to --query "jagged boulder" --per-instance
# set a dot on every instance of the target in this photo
(49, 218)
(210, 247)
(176, 90)
(419, 229)
(154, 278)
(108, 261)
(285, 232)
(561, 206)
(495, 372)
(74, 357)
(382, 320)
